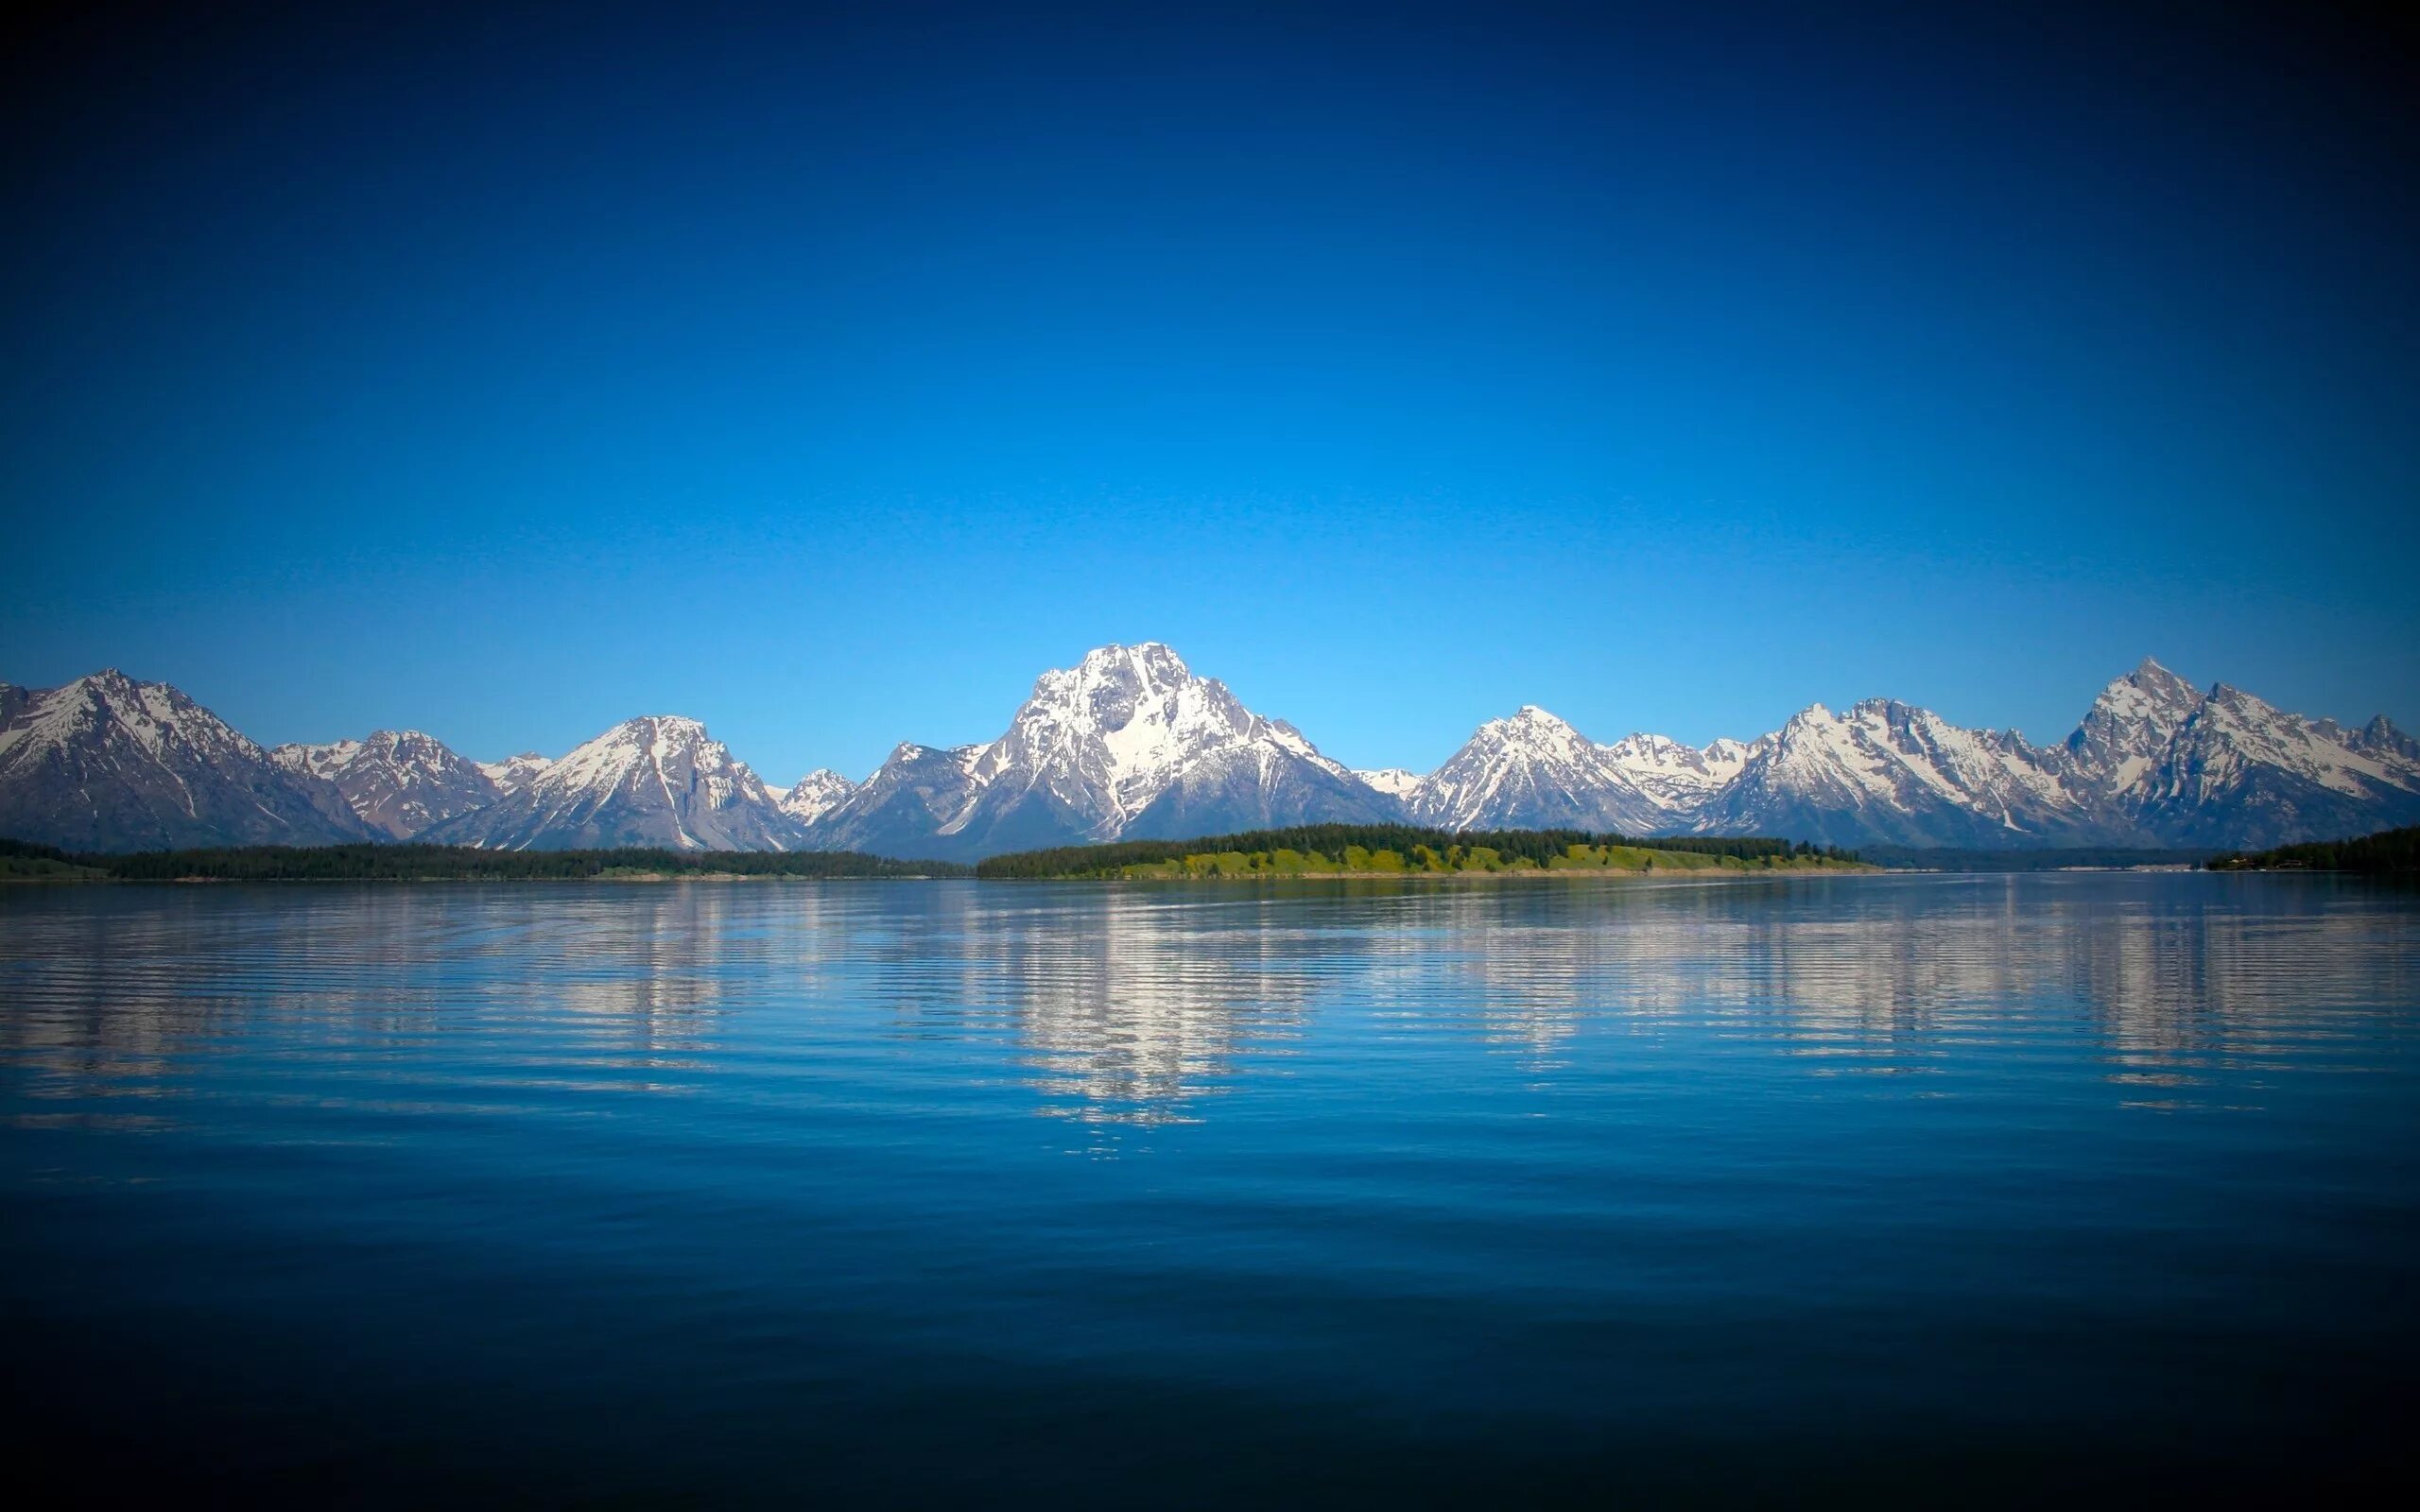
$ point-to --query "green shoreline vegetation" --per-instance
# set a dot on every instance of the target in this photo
(2388, 850)
(1407, 850)
(1303, 850)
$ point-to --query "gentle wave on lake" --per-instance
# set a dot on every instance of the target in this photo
(1905, 1186)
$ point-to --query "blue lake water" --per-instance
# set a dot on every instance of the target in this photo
(944, 1193)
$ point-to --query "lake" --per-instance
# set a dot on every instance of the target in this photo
(1897, 1187)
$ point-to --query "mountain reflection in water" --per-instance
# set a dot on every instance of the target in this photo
(1274, 1191)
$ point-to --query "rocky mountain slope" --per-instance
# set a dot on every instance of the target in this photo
(396, 781)
(1888, 771)
(815, 795)
(1127, 743)
(109, 763)
(2154, 762)
(514, 772)
(1131, 743)
(656, 780)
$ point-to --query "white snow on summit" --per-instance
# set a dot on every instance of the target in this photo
(1392, 781)
(812, 796)
(659, 780)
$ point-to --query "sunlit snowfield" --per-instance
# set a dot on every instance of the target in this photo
(1212, 1194)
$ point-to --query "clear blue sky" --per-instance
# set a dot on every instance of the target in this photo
(828, 377)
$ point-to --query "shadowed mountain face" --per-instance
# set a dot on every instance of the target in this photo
(110, 763)
(1131, 743)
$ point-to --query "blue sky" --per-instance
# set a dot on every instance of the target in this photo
(829, 376)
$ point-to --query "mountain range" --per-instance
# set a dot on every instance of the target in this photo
(1132, 743)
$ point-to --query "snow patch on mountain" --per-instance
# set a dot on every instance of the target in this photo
(105, 762)
(515, 772)
(659, 780)
(1394, 781)
(1129, 741)
(812, 796)
(397, 782)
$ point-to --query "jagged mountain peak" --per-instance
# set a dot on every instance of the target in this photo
(1127, 741)
(108, 762)
(659, 780)
(1130, 741)
(397, 782)
(2123, 738)
(2380, 737)
(815, 795)
(1532, 768)
(1532, 724)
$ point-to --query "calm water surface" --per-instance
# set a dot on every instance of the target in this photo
(998, 1193)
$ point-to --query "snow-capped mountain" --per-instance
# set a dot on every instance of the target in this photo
(2154, 762)
(1679, 779)
(2239, 772)
(1392, 781)
(917, 793)
(109, 763)
(1888, 771)
(1535, 771)
(1127, 743)
(514, 773)
(1130, 743)
(2127, 731)
(397, 782)
(815, 795)
(657, 780)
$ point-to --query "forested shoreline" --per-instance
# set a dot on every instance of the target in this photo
(1403, 850)
(437, 863)
(2388, 850)
(1317, 849)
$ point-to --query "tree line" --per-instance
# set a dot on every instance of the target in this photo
(441, 863)
(2386, 851)
(1536, 847)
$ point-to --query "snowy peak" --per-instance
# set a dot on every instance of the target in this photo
(1392, 781)
(1531, 769)
(1895, 772)
(108, 762)
(2128, 731)
(1535, 770)
(815, 795)
(1132, 741)
(514, 772)
(659, 780)
(2380, 738)
(2234, 734)
(1106, 736)
(1127, 741)
(397, 782)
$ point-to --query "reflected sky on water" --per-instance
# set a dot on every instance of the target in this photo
(1272, 1191)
